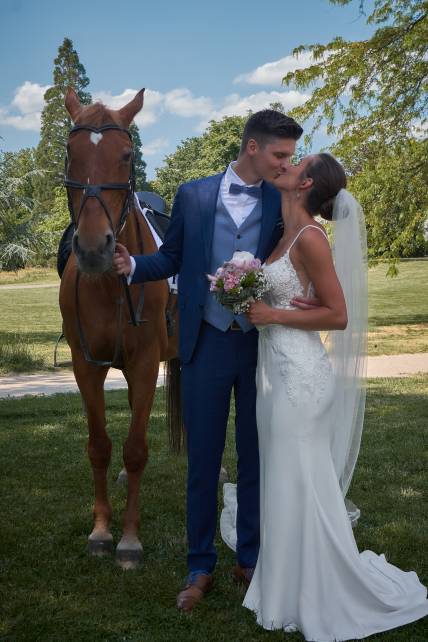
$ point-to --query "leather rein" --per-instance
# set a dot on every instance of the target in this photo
(95, 191)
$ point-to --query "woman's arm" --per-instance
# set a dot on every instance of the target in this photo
(313, 253)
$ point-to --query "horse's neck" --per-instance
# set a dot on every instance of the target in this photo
(136, 235)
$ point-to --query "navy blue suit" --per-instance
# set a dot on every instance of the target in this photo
(213, 364)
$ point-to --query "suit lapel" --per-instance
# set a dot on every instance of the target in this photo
(270, 214)
(208, 195)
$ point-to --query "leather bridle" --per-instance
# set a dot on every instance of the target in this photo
(95, 191)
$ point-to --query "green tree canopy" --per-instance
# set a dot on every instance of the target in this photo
(140, 164)
(19, 239)
(200, 156)
(56, 123)
(372, 96)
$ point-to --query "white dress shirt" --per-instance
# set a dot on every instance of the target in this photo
(240, 205)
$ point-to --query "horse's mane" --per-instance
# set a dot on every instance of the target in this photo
(97, 115)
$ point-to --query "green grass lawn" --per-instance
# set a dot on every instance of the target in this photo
(30, 320)
(52, 591)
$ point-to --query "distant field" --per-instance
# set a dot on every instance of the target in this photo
(30, 275)
(30, 320)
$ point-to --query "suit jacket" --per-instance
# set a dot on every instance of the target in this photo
(186, 250)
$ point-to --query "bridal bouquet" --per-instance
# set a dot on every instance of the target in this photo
(238, 282)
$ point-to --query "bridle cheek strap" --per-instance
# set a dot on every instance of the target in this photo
(95, 191)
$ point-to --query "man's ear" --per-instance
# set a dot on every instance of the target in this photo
(252, 147)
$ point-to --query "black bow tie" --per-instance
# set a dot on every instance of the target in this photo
(251, 190)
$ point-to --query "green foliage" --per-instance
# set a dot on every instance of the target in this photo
(19, 240)
(393, 194)
(140, 164)
(56, 123)
(372, 95)
(200, 156)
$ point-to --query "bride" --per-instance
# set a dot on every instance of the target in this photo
(310, 576)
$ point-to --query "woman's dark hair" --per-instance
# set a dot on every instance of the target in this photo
(328, 178)
(268, 124)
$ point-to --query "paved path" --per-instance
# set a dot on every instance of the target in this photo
(28, 286)
(402, 365)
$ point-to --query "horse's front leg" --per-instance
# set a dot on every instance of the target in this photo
(90, 380)
(142, 382)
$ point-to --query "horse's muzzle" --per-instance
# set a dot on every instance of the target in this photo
(94, 258)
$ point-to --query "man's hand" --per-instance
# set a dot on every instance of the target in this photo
(305, 302)
(121, 260)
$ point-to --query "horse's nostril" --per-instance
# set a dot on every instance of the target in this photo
(109, 239)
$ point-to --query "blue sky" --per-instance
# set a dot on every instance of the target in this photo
(197, 60)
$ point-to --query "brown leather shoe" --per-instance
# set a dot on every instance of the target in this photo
(194, 591)
(243, 575)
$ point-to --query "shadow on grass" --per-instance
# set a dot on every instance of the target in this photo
(401, 319)
(52, 589)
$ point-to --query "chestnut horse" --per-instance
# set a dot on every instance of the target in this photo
(97, 324)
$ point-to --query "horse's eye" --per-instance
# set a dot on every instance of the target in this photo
(126, 157)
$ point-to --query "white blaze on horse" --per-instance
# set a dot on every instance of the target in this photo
(99, 311)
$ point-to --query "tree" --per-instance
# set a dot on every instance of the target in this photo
(200, 156)
(372, 96)
(19, 239)
(140, 164)
(56, 123)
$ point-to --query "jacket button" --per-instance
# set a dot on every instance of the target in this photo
(238, 236)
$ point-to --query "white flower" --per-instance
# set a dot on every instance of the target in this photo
(239, 258)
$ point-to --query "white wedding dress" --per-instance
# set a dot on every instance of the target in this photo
(310, 576)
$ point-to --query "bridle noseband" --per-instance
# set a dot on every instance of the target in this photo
(95, 191)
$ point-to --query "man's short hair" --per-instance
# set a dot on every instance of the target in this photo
(268, 124)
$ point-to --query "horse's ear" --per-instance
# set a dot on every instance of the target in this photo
(130, 110)
(72, 103)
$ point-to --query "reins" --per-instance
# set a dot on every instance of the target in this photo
(95, 191)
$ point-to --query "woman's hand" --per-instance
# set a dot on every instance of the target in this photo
(260, 314)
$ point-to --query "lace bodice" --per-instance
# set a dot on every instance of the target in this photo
(284, 283)
(283, 279)
(300, 354)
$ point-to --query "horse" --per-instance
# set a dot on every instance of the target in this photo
(100, 330)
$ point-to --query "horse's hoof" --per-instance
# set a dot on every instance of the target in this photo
(129, 555)
(122, 478)
(224, 476)
(100, 546)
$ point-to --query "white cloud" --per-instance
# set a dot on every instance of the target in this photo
(29, 97)
(28, 102)
(236, 105)
(272, 73)
(179, 101)
(182, 103)
(155, 146)
(151, 109)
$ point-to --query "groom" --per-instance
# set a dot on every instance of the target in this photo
(211, 219)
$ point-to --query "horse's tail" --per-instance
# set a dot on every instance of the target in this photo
(173, 406)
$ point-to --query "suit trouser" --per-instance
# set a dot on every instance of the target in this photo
(222, 362)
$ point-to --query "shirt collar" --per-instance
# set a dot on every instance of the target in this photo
(232, 177)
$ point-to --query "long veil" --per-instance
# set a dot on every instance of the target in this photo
(348, 349)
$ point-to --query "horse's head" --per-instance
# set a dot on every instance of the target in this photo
(99, 177)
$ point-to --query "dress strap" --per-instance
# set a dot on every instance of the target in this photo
(302, 230)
